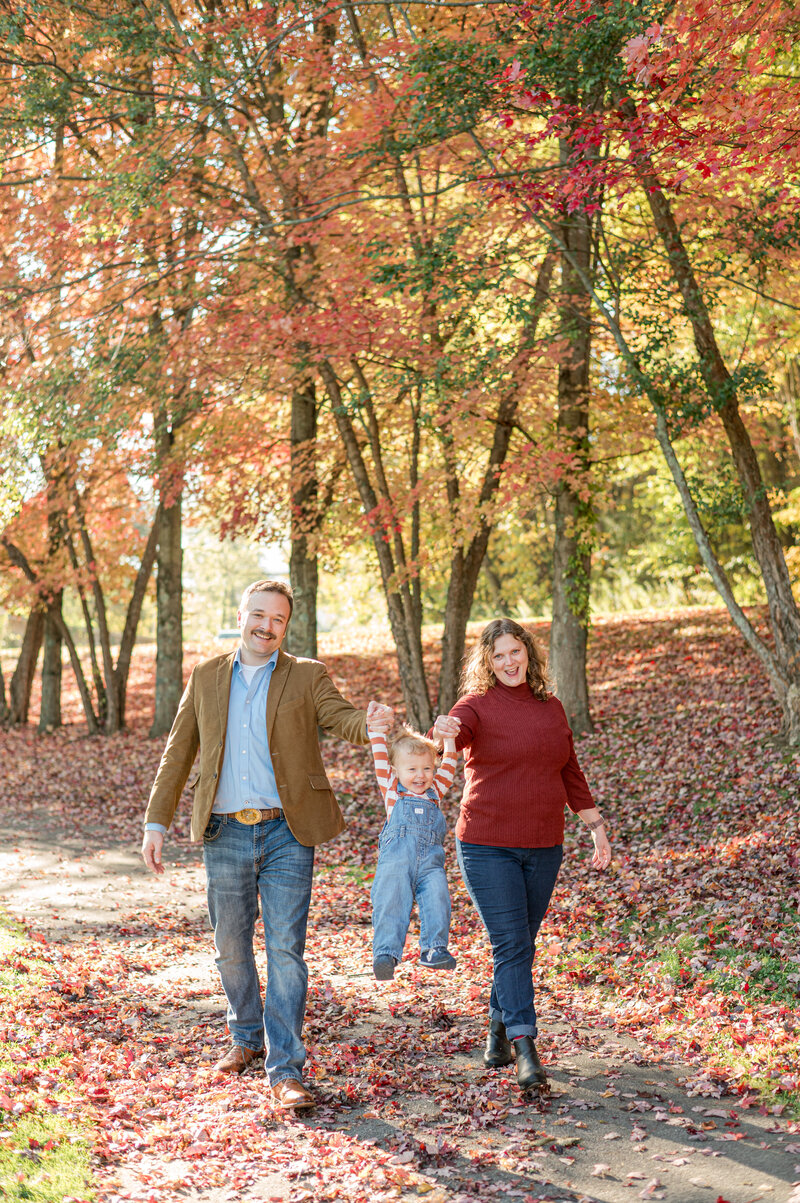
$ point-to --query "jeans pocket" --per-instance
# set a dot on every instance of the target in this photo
(213, 829)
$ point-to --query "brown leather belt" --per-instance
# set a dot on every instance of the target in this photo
(250, 816)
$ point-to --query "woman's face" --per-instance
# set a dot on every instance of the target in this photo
(509, 660)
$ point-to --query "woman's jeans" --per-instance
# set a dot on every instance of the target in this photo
(511, 890)
(244, 865)
(410, 865)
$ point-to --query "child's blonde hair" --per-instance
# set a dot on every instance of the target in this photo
(410, 742)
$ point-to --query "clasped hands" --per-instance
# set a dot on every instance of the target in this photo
(379, 718)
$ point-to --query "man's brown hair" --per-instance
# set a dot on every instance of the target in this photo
(269, 587)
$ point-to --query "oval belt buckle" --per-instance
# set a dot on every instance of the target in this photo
(249, 816)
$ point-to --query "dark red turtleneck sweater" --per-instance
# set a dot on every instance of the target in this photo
(520, 769)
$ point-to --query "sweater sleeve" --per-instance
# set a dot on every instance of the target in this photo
(467, 712)
(579, 796)
(384, 773)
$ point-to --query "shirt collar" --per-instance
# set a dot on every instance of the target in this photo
(270, 664)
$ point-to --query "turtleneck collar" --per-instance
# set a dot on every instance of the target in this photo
(522, 692)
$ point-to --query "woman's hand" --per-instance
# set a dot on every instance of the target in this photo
(447, 726)
(601, 857)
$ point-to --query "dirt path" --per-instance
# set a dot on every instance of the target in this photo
(471, 1137)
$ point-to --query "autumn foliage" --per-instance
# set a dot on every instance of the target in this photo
(431, 284)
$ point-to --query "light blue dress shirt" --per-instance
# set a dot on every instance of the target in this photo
(247, 777)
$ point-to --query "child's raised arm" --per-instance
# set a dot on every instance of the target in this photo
(447, 728)
(384, 773)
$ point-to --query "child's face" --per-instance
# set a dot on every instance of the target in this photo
(415, 770)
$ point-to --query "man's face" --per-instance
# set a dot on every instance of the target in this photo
(262, 625)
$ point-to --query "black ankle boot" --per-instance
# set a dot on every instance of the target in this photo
(498, 1047)
(529, 1068)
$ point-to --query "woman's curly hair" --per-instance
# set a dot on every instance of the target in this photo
(478, 675)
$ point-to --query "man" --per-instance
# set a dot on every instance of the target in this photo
(262, 802)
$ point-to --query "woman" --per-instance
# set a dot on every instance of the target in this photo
(520, 770)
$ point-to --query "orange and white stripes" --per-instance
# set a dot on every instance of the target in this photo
(387, 778)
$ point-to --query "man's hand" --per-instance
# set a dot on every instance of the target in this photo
(152, 844)
(379, 718)
(447, 726)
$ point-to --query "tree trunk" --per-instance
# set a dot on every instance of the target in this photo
(301, 638)
(21, 683)
(169, 617)
(50, 708)
(790, 392)
(495, 585)
(3, 702)
(573, 514)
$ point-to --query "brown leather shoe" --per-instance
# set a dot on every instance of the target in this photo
(238, 1059)
(292, 1095)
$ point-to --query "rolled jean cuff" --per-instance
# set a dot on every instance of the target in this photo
(243, 1042)
(521, 1029)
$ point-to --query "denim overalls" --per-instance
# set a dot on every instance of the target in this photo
(411, 865)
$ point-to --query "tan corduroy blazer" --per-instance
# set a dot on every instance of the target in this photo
(301, 698)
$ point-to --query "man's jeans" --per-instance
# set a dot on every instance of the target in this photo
(245, 864)
(511, 889)
(410, 865)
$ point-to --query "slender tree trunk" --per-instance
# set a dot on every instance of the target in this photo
(21, 683)
(17, 557)
(50, 708)
(573, 514)
(169, 616)
(790, 393)
(97, 676)
(128, 640)
(301, 638)
(3, 702)
(783, 610)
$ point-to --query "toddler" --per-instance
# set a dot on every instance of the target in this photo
(411, 851)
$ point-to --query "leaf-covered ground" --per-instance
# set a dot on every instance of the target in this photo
(668, 988)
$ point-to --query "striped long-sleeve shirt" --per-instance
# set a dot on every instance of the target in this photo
(387, 778)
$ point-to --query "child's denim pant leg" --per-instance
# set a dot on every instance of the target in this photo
(410, 864)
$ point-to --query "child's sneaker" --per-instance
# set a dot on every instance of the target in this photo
(437, 958)
(383, 967)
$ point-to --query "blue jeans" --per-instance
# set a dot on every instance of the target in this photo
(511, 890)
(244, 865)
(410, 865)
